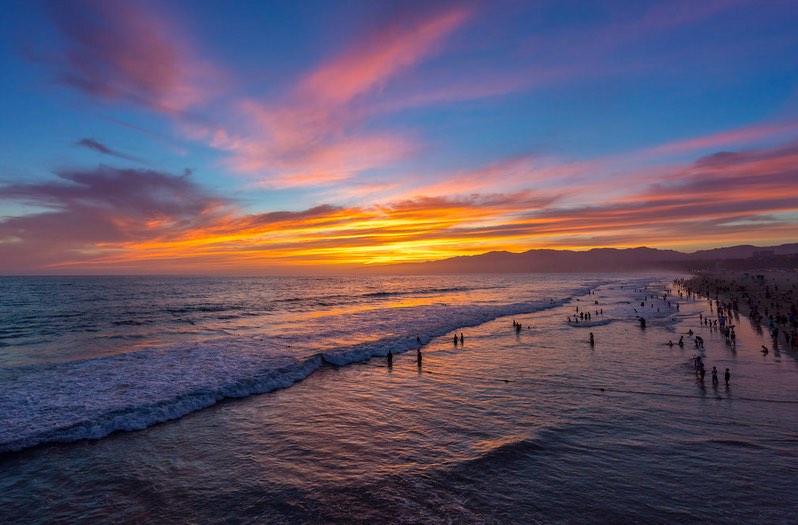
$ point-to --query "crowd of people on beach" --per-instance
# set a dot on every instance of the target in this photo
(770, 305)
(766, 305)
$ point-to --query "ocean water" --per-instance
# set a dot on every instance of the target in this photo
(268, 400)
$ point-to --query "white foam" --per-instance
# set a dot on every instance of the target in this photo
(93, 398)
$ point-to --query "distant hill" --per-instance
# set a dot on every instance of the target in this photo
(603, 260)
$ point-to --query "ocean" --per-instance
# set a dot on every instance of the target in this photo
(270, 400)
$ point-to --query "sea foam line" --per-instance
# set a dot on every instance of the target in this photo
(93, 398)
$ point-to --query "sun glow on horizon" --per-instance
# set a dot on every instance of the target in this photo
(140, 140)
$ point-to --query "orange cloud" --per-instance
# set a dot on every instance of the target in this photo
(126, 220)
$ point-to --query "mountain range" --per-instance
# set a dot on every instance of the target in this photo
(603, 260)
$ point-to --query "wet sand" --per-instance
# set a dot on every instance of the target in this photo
(773, 295)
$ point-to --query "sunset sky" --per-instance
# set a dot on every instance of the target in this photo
(246, 137)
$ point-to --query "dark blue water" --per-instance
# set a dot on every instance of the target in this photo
(534, 426)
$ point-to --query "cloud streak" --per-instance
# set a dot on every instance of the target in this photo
(317, 134)
(120, 51)
(101, 148)
(110, 219)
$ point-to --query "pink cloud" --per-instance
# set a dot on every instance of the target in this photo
(120, 51)
(736, 137)
(317, 134)
(370, 63)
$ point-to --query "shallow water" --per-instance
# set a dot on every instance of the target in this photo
(506, 428)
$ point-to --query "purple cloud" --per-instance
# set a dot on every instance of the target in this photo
(120, 51)
(105, 150)
(87, 211)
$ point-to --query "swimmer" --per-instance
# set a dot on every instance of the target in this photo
(669, 343)
(764, 349)
(681, 341)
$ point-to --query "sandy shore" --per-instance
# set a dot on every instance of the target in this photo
(766, 296)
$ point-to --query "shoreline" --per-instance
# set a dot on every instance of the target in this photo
(768, 297)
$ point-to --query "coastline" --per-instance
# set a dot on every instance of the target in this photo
(767, 297)
(508, 427)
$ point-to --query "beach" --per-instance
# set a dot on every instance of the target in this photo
(768, 297)
(535, 425)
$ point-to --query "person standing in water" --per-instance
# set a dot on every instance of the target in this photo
(714, 376)
(461, 338)
(592, 341)
(418, 357)
(727, 377)
(389, 358)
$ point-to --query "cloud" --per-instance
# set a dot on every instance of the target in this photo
(105, 150)
(318, 134)
(370, 63)
(719, 198)
(743, 136)
(120, 51)
(90, 212)
(109, 219)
